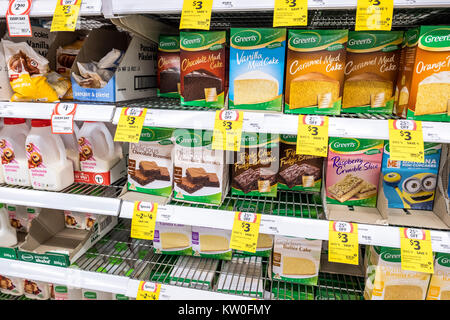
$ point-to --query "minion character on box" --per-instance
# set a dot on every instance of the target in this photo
(411, 185)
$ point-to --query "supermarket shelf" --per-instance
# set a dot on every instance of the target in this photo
(168, 113)
(289, 215)
(36, 110)
(10, 297)
(174, 6)
(46, 8)
(77, 197)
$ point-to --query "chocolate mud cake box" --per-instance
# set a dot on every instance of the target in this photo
(203, 68)
(150, 164)
(256, 165)
(168, 72)
(353, 171)
(297, 171)
(200, 173)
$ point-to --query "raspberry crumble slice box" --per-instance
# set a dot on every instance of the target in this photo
(315, 71)
(430, 84)
(371, 71)
(353, 171)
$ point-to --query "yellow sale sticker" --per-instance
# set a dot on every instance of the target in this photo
(196, 14)
(245, 232)
(130, 125)
(144, 220)
(374, 15)
(227, 130)
(66, 15)
(148, 291)
(406, 140)
(343, 242)
(290, 13)
(416, 251)
(312, 135)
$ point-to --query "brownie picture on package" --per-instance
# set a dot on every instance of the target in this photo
(293, 175)
(196, 179)
(197, 81)
(148, 172)
(250, 179)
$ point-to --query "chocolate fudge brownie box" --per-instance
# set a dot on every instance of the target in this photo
(298, 172)
(168, 72)
(315, 71)
(256, 165)
(353, 171)
(150, 167)
(203, 68)
(200, 173)
(257, 68)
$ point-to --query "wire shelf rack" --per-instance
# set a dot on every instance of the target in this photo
(11, 297)
(118, 254)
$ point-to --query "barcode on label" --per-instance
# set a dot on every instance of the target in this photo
(144, 82)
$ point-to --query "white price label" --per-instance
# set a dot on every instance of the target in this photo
(62, 118)
(18, 19)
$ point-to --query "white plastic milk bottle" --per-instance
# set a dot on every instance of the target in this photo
(71, 144)
(12, 151)
(8, 235)
(47, 159)
(96, 147)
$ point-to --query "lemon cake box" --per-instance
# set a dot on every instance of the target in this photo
(430, 87)
(211, 243)
(370, 71)
(172, 239)
(315, 71)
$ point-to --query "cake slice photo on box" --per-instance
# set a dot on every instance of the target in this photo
(174, 239)
(315, 71)
(168, 72)
(211, 243)
(353, 171)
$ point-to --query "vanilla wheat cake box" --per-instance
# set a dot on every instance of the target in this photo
(370, 70)
(439, 288)
(430, 85)
(315, 71)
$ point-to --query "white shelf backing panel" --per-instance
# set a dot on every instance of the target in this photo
(77, 197)
(36, 110)
(46, 8)
(287, 124)
(174, 6)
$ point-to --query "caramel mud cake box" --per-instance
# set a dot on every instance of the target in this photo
(386, 280)
(257, 68)
(150, 164)
(315, 71)
(200, 173)
(371, 71)
(256, 165)
(168, 72)
(430, 85)
(298, 172)
(203, 68)
(353, 171)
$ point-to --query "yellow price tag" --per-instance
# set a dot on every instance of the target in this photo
(144, 220)
(244, 235)
(312, 135)
(66, 15)
(343, 242)
(227, 130)
(374, 15)
(148, 291)
(406, 141)
(415, 249)
(196, 14)
(290, 13)
(130, 125)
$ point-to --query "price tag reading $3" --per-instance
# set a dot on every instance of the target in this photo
(244, 235)
(374, 15)
(290, 13)
(406, 140)
(227, 130)
(196, 14)
(66, 15)
(312, 136)
(343, 242)
(416, 251)
(130, 125)
(148, 291)
(144, 220)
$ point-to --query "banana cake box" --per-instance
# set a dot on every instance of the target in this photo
(296, 260)
(386, 280)
(411, 185)
(172, 238)
(211, 243)
(150, 166)
(353, 171)
(439, 288)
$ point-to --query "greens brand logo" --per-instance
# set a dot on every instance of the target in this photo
(342, 145)
(444, 261)
(361, 41)
(90, 295)
(190, 140)
(27, 257)
(437, 38)
(169, 44)
(147, 134)
(305, 40)
(391, 257)
(193, 40)
(246, 38)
